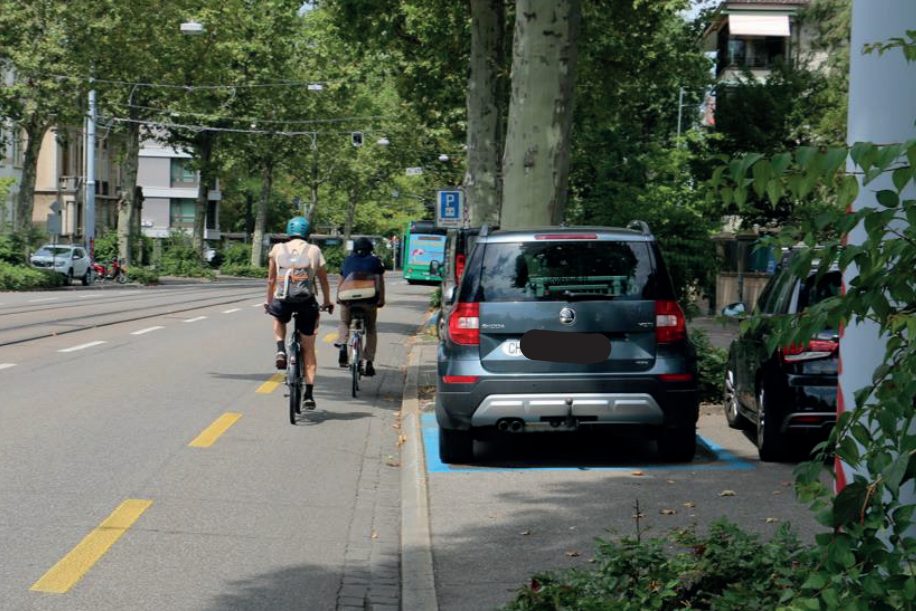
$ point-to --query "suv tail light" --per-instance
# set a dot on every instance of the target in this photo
(815, 349)
(670, 324)
(460, 261)
(464, 324)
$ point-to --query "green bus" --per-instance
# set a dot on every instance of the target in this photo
(422, 252)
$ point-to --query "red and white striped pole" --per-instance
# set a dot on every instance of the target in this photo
(882, 110)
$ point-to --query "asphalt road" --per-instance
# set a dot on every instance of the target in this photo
(146, 460)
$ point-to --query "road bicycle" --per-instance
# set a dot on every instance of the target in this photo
(356, 345)
(295, 372)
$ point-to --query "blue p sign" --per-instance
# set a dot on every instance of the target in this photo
(450, 209)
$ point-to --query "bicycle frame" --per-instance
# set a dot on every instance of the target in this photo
(294, 371)
(357, 333)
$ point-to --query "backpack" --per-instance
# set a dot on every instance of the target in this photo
(298, 283)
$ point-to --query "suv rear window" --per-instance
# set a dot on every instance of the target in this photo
(814, 291)
(561, 271)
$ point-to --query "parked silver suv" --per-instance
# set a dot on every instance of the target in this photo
(71, 261)
(563, 329)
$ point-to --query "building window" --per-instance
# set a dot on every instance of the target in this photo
(181, 213)
(182, 174)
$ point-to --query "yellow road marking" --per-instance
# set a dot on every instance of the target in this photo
(330, 337)
(270, 385)
(71, 568)
(210, 434)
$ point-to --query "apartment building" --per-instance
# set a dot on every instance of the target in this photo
(170, 192)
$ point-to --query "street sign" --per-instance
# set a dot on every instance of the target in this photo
(414, 171)
(449, 208)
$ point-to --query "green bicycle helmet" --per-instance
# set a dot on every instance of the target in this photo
(298, 226)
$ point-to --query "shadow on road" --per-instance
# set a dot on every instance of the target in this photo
(320, 415)
(294, 587)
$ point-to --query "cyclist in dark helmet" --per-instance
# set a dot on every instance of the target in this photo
(293, 267)
(362, 262)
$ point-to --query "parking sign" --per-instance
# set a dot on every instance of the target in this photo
(449, 208)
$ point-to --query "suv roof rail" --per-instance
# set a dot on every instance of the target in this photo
(640, 226)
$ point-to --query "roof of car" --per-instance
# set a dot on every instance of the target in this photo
(601, 233)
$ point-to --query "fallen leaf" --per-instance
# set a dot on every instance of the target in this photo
(374, 534)
(786, 483)
(668, 512)
(772, 520)
(638, 516)
(391, 461)
(535, 585)
(690, 504)
(573, 554)
(402, 439)
(727, 493)
(525, 532)
(396, 425)
(777, 492)
(638, 473)
(670, 481)
(572, 528)
(591, 561)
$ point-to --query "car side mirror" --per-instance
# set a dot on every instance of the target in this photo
(735, 310)
(449, 297)
(434, 268)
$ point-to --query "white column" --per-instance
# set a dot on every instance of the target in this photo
(90, 173)
(882, 109)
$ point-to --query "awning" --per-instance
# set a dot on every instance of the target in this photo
(758, 25)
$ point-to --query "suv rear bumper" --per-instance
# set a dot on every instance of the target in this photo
(626, 401)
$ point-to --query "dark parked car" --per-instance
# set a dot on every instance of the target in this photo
(563, 329)
(788, 396)
(458, 246)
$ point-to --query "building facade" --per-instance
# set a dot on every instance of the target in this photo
(170, 193)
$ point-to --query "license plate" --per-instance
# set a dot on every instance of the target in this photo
(513, 348)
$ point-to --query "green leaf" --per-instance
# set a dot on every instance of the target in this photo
(833, 159)
(863, 154)
(888, 198)
(901, 177)
(887, 155)
(848, 504)
(849, 190)
(774, 191)
(717, 176)
(815, 581)
(780, 163)
(894, 474)
(804, 155)
(762, 172)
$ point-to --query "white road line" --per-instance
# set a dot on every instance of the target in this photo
(147, 330)
(195, 319)
(231, 310)
(90, 296)
(7, 365)
(257, 305)
(84, 346)
(43, 299)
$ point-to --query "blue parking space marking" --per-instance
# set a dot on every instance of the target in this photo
(722, 460)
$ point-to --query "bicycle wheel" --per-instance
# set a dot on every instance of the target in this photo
(294, 379)
(356, 356)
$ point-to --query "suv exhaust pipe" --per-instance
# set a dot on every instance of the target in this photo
(502, 426)
(516, 426)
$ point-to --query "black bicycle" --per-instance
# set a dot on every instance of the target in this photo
(295, 372)
(355, 346)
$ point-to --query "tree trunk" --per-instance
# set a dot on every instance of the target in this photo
(260, 216)
(126, 205)
(205, 156)
(482, 185)
(25, 200)
(536, 160)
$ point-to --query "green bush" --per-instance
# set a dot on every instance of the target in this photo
(21, 277)
(180, 259)
(106, 246)
(334, 256)
(143, 275)
(235, 255)
(435, 300)
(727, 569)
(710, 366)
(247, 271)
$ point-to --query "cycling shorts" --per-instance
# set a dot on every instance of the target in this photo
(307, 314)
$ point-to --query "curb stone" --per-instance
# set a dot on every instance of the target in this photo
(418, 585)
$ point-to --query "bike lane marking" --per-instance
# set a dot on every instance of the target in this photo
(83, 346)
(330, 337)
(722, 460)
(195, 319)
(7, 365)
(71, 568)
(146, 330)
(231, 310)
(271, 384)
(43, 299)
(213, 432)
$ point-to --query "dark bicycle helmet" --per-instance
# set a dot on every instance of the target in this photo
(298, 226)
(362, 246)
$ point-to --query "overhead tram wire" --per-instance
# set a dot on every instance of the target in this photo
(87, 79)
(216, 116)
(212, 128)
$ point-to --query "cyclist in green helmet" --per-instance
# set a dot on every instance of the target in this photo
(292, 269)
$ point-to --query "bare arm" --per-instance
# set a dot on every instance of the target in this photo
(271, 280)
(325, 287)
(381, 290)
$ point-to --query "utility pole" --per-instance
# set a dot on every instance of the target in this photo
(90, 175)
